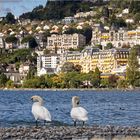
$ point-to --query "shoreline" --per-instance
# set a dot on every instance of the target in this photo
(67, 89)
(66, 132)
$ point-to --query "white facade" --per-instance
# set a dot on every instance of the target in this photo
(66, 41)
(117, 38)
(84, 14)
(129, 20)
(68, 20)
(49, 61)
(125, 11)
(24, 69)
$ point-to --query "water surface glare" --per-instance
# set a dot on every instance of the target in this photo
(105, 107)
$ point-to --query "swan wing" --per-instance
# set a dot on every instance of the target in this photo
(79, 113)
(40, 112)
(46, 113)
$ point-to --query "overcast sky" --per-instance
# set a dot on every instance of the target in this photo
(17, 7)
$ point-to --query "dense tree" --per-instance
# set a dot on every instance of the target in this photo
(68, 67)
(11, 39)
(134, 6)
(105, 12)
(10, 18)
(104, 83)
(109, 46)
(57, 10)
(132, 73)
(122, 83)
(3, 80)
(96, 78)
(31, 40)
(10, 84)
(113, 81)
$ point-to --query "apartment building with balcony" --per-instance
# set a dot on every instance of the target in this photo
(105, 60)
(60, 43)
(117, 37)
(108, 61)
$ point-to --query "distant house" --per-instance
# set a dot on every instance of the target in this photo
(125, 11)
(9, 46)
(2, 18)
(119, 15)
(11, 68)
(68, 20)
(44, 71)
(15, 76)
(25, 22)
(129, 20)
(35, 22)
(24, 68)
(85, 14)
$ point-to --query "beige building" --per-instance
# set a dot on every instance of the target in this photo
(117, 38)
(108, 61)
(65, 42)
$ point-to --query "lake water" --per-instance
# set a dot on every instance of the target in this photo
(105, 107)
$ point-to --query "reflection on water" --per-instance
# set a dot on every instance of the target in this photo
(109, 138)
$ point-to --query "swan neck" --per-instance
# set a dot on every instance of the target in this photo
(38, 103)
(74, 105)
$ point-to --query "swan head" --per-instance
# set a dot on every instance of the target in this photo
(37, 98)
(75, 101)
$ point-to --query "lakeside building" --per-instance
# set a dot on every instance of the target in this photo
(61, 43)
(72, 56)
(108, 61)
(117, 37)
(47, 64)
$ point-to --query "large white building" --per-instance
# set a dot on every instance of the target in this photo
(117, 37)
(65, 41)
(47, 64)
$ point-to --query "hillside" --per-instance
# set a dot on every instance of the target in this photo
(59, 9)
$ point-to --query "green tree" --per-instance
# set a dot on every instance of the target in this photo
(11, 39)
(109, 46)
(132, 72)
(68, 67)
(105, 12)
(104, 83)
(10, 18)
(10, 84)
(72, 80)
(3, 80)
(113, 81)
(31, 40)
(122, 83)
(96, 78)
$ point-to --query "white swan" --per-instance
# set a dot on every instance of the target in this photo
(78, 113)
(38, 110)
